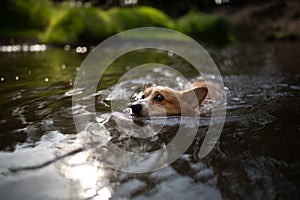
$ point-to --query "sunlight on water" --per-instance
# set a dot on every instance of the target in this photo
(81, 49)
(87, 174)
(25, 48)
(74, 92)
(67, 47)
(104, 194)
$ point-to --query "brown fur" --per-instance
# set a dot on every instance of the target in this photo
(185, 102)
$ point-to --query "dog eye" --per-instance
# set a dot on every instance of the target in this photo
(159, 98)
(143, 96)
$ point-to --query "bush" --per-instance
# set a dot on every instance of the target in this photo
(29, 18)
(205, 27)
(97, 25)
(22, 19)
(129, 18)
(92, 24)
(21, 14)
(78, 24)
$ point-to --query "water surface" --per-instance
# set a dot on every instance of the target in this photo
(43, 157)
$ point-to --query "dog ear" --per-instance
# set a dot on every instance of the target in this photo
(145, 86)
(189, 96)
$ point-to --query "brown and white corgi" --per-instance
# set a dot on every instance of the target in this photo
(165, 101)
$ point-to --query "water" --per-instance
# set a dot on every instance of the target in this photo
(43, 157)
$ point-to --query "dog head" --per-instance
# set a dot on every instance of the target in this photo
(162, 101)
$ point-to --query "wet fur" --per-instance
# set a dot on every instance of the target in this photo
(185, 102)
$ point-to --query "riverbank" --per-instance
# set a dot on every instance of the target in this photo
(266, 20)
(72, 24)
(64, 23)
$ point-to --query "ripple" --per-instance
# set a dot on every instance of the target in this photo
(76, 91)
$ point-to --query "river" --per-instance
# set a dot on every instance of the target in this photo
(42, 156)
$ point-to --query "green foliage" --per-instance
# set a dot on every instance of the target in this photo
(23, 19)
(78, 24)
(97, 25)
(38, 19)
(90, 24)
(64, 26)
(128, 18)
(272, 35)
(25, 14)
(205, 27)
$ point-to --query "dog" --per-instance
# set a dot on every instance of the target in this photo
(165, 101)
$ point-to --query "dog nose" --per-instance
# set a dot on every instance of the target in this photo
(136, 108)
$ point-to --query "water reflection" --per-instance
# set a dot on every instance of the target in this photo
(81, 49)
(24, 48)
(90, 175)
